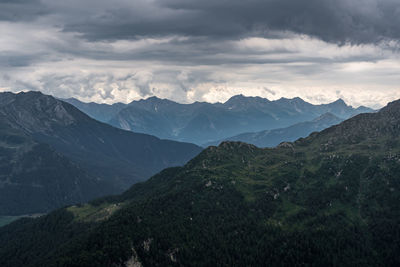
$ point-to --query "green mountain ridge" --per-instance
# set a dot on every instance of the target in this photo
(330, 199)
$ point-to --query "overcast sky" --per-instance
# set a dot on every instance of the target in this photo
(202, 50)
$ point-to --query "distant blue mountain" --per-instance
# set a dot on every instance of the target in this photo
(272, 138)
(202, 122)
(100, 112)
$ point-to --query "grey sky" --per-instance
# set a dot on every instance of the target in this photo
(188, 50)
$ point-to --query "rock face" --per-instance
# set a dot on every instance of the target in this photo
(202, 123)
(329, 199)
(51, 148)
(35, 112)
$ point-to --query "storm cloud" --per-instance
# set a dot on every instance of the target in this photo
(190, 50)
(338, 21)
(21, 10)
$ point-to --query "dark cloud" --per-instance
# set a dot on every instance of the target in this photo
(199, 49)
(338, 21)
(21, 10)
(11, 59)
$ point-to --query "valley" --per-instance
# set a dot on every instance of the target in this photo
(152, 133)
(329, 197)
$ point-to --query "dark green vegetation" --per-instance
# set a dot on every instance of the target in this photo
(271, 138)
(331, 199)
(52, 155)
(202, 122)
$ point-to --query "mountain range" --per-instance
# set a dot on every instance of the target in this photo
(52, 154)
(330, 199)
(271, 138)
(202, 122)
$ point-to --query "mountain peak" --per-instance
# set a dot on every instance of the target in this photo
(31, 93)
(241, 101)
(225, 152)
(232, 145)
(392, 106)
(297, 99)
(363, 127)
(10, 96)
(339, 102)
(32, 96)
(36, 112)
(153, 98)
(235, 98)
(239, 96)
(391, 113)
(294, 99)
(227, 147)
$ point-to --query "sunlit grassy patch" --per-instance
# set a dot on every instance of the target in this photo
(90, 213)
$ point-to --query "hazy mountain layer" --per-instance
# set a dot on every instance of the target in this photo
(271, 138)
(330, 199)
(204, 122)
